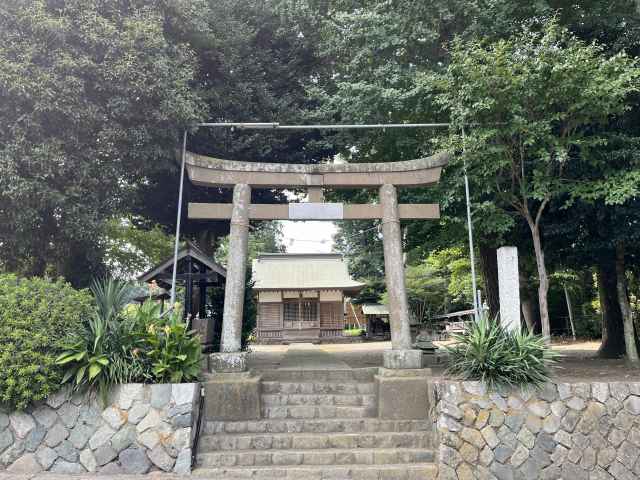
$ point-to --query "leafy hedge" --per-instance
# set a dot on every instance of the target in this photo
(37, 317)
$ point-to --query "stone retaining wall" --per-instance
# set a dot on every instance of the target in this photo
(576, 431)
(142, 428)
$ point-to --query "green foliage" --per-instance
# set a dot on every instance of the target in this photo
(174, 352)
(489, 353)
(37, 317)
(121, 346)
(353, 332)
(92, 97)
(132, 248)
(90, 359)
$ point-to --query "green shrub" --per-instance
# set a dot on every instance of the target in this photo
(136, 344)
(175, 353)
(37, 317)
(497, 357)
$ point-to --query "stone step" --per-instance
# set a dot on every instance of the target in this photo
(304, 412)
(313, 376)
(263, 441)
(312, 388)
(345, 400)
(317, 426)
(326, 456)
(415, 471)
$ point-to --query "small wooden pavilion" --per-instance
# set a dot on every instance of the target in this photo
(301, 296)
(377, 316)
(203, 281)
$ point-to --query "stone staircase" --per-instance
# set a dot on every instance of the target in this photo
(317, 424)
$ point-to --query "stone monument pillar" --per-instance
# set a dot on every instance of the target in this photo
(231, 359)
(401, 355)
(509, 288)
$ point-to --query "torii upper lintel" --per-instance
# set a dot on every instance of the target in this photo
(215, 172)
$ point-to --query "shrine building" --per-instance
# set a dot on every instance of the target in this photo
(300, 297)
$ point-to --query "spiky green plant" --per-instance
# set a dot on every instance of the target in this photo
(488, 352)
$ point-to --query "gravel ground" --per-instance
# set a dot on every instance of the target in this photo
(578, 361)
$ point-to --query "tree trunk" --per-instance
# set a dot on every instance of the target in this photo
(543, 282)
(612, 345)
(489, 266)
(527, 301)
(625, 307)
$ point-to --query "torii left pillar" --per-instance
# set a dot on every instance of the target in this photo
(231, 358)
(233, 393)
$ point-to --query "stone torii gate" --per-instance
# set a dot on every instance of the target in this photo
(243, 176)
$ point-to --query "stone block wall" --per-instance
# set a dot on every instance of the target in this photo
(140, 429)
(576, 431)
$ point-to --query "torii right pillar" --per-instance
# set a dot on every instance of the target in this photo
(401, 356)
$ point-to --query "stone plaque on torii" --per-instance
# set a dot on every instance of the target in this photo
(243, 176)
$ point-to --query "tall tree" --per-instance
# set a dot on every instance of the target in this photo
(91, 98)
(533, 100)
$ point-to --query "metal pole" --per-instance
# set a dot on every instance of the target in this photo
(179, 215)
(277, 126)
(470, 230)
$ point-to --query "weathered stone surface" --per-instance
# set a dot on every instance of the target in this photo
(62, 466)
(88, 461)
(502, 472)
(472, 436)
(632, 405)
(619, 390)
(490, 436)
(628, 454)
(44, 415)
(137, 413)
(114, 417)
(21, 423)
(46, 456)
(606, 456)
(80, 435)
(526, 438)
(149, 439)
(184, 393)
(123, 438)
(56, 434)
(183, 462)
(496, 419)
(34, 438)
(486, 456)
(67, 452)
(101, 437)
(576, 403)
(161, 459)
(584, 431)
(515, 420)
(76, 434)
(160, 395)
(69, 413)
(135, 460)
(600, 391)
(152, 420)
(25, 464)
(104, 454)
(58, 398)
(449, 456)
(469, 453)
(539, 408)
(127, 394)
(6, 438)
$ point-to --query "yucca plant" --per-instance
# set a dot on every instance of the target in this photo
(89, 358)
(487, 352)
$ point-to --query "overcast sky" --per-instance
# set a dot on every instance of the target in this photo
(308, 237)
